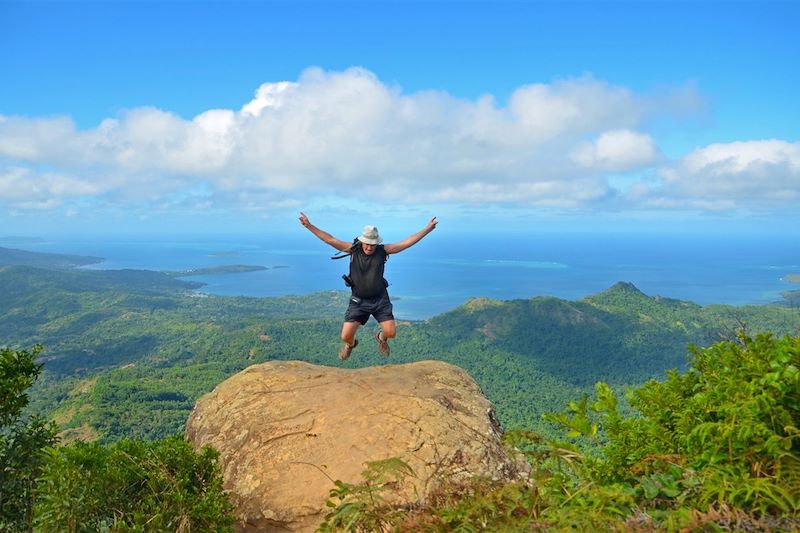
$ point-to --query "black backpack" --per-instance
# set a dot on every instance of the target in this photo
(349, 252)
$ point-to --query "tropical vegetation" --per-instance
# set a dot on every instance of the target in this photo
(715, 448)
(666, 442)
(128, 353)
(161, 485)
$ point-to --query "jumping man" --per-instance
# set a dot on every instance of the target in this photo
(369, 295)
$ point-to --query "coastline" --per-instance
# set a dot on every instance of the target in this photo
(215, 270)
(428, 280)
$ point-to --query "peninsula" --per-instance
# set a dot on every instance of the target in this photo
(216, 270)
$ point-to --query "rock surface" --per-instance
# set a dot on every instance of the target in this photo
(284, 429)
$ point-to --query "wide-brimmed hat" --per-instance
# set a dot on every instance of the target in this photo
(370, 235)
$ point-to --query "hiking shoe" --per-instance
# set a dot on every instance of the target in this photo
(382, 344)
(347, 349)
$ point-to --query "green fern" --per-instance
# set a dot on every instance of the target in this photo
(362, 507)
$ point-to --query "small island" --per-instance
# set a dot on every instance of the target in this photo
(216, 270)
(223, 254)
(792, 278)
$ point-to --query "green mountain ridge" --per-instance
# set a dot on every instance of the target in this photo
(129, 352)
(13, 256)
(602, 333)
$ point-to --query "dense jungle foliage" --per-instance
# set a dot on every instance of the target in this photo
(127, 353)
(120, 357)
(715, 448)
(22, 438)
(160, 485)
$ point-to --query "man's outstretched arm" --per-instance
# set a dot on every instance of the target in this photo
(412, 239)
(324, 236)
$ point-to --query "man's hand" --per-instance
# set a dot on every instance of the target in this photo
(324, 236)
(411, 240)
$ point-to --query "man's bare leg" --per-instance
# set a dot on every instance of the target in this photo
(388, 331)
(348, 336)
(349, 330)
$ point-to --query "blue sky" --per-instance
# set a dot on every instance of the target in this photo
(230, 117)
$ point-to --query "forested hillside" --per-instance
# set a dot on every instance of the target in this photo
(12, 256)
(127, 353)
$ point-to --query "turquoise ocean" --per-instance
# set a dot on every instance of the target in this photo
(444, 271)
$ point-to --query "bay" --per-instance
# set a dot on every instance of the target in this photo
(445, 270)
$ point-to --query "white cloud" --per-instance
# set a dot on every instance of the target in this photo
(543, 193)
(348, 134)
(573, 108)
(744, 174)
(22, 187)
(617, 150)
(269, 95)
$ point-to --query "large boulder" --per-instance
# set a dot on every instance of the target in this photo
(284, 429)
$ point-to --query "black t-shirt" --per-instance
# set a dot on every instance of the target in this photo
(366, 271)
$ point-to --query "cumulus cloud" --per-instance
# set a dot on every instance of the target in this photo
(348, 134)
(617, 150)
(744, 174)
(28, 189)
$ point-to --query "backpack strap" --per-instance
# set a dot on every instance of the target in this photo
(347, 253)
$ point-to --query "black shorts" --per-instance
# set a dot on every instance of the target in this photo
(360, 309)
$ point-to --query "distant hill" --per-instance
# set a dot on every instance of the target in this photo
(128, 352)
(791, 298)
(12, 256)
(20, 279)
(620, 335)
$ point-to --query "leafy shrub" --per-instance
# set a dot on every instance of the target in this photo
(132, 486)
(716, 448)
(362, 507)
(720, 439)
(21, 439)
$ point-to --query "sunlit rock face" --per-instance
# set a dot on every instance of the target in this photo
(286, 429)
